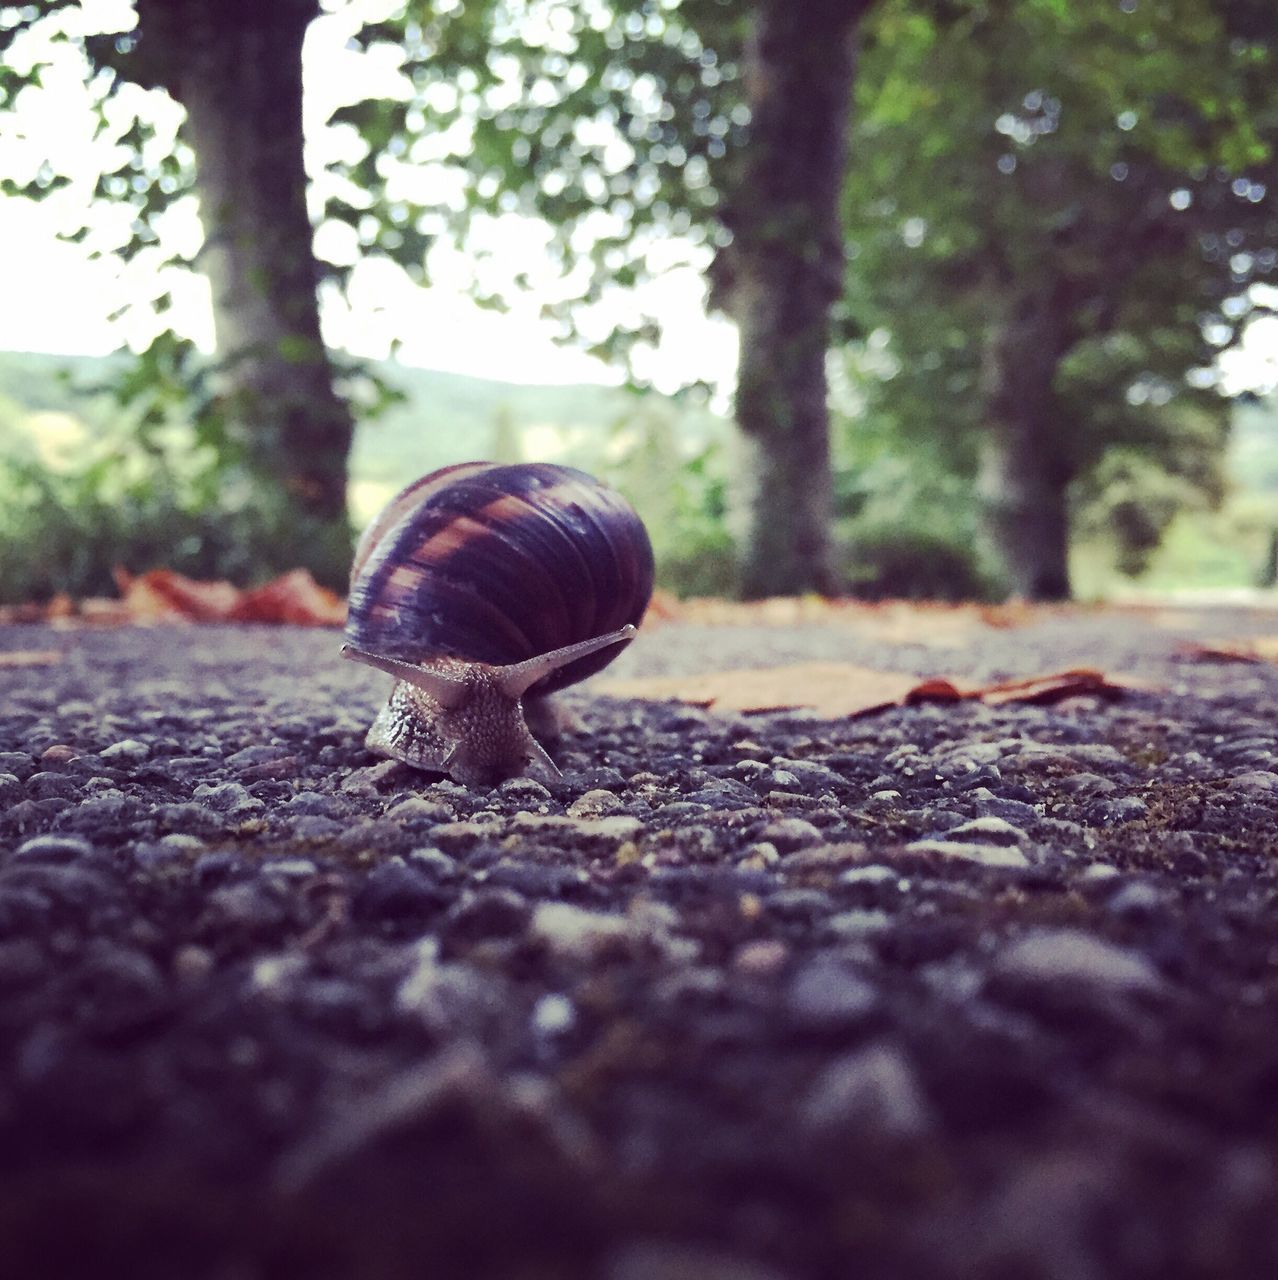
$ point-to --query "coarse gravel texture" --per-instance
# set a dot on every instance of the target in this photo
(947, 991)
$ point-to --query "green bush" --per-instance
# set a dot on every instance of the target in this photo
(163, 502)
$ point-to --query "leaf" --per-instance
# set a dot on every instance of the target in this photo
(1256, 649)
(164, 596)
(838, 689)
(1077, 682)
(295, 599)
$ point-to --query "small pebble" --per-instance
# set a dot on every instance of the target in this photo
(988, 830)
(1256, 783)
(762, 958)
(990, 855)
(575, 933)
(418, 810)
(788, 834)
(290, 868)
(874, 1089)
(553, 1015)
(1069, 955)
(827, 996)
(53, 848)
(127, 751)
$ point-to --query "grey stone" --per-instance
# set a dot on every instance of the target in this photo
(53, 848)
(1139, 899)
(989, 855)
(788, 834)
(231, 798)
(45, 786)
(247, 905)
(1017, 811)
(874, 1089)
(553, 1014)
(290, 868)
(874, 874)
(127, 751)
(1090, 784)
(395, 891)
(312, 826)
(526, 791)
(489, 913)
(418, 811)
(194, 819)
(1069, 955)
(257, 755)
(1256, 782)
(434, 862)
(853, 925)
(826, 995)
(988, 830)
(1115, 812)
(576, 933)
(17, 763)
(315, 804)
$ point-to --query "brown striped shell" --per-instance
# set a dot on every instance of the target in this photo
(497, 564)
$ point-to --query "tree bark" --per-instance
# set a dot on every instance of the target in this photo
(786, 272)
(236, 67)
(1026, 470)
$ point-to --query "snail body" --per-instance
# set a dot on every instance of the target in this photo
(483, 588)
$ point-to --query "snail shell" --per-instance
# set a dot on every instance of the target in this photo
(485, 587)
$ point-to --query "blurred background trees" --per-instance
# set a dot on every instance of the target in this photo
(1015, 234)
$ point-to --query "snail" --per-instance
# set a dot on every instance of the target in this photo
(483, 588)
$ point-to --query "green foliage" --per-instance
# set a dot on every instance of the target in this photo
(618, 123)
(675, 468)
(1080, 188)
(1134, 503)
(908, 519)
(65, 527)
(87, 486)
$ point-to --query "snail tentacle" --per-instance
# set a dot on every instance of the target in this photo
(518, 678)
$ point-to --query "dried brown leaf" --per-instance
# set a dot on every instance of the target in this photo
(294, 598)
(160, 595)
(838, 689)
(1254, 649)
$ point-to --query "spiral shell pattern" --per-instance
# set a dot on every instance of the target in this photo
(497, 563)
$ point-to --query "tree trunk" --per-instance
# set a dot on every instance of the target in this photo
(1026, 472)
(236, 67)
(786, 271)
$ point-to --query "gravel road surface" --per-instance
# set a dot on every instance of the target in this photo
(947, 991)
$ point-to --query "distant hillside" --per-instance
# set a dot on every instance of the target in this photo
(446, 417)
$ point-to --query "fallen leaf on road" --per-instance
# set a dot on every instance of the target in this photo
(30, 658)
(164, 596)
(292, 598)
(1063, 684)
(894, 621)
(836, 687)
(1256, 649)
(840, 689)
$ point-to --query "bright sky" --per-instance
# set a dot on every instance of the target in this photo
(60, 300)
